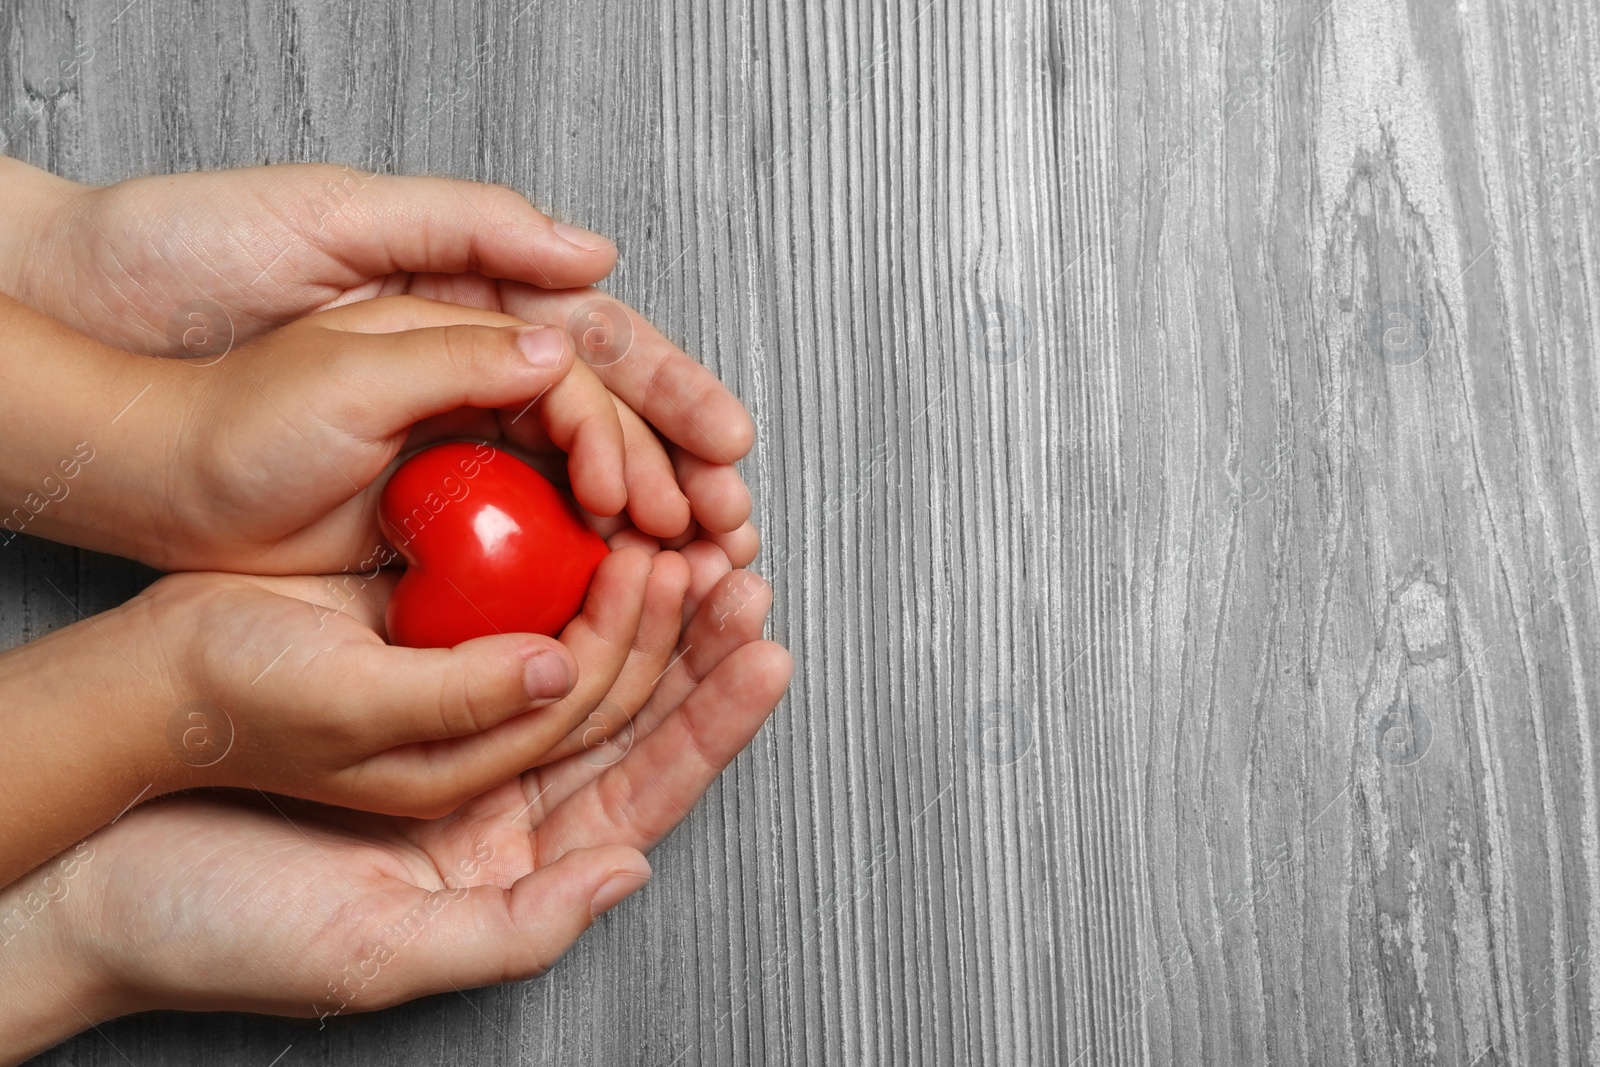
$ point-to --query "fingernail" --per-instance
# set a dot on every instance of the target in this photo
(616, 889)
(541, 345)
(579, 238)
(545, 676)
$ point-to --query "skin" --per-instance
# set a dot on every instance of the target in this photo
(495, 891)
(196, 468)
(269, 459)
(286, 684)
(263, 247)
(195, 473)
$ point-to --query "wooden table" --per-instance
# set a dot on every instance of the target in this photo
(1180, 473)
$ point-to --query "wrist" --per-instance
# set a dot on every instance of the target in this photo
(31, 233)
(87, 710)
(51, 985)
(91, 436)
(184, 734)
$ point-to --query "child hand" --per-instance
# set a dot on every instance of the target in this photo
(205, 903)
(267, 461)
(286, 684)
(282, 459)
(316, 704)
(258, 248)
(144, 697)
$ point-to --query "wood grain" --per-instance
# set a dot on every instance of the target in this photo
(1178, 467)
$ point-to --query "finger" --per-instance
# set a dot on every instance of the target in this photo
(629, 536)
(649, 650)
(446, 225)
(715, 491)
(378, 385)
(656, 504)
(575, 413)
(638, 801)
(435, 776)
(660, 626)
(742, 545)
(676, 395)
(732, 617)
(707, 565)
(578, 416)
(384, 696)
(397, 284)
(618, 532)
(468, 289)
(486, 934)
(607, 526)
(397, 312)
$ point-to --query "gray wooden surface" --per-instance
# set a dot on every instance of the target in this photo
(1178, 463)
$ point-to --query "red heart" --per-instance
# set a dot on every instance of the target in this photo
(492, 546)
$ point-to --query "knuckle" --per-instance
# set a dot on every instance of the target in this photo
(472, 699)
(658, 384)
(701, 745)
(463, 707)
(502, 198)
(618, 802)
(462, 347)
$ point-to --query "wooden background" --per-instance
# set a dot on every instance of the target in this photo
(1178, 463)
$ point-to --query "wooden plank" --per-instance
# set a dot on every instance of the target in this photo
(1178, 470)
(1362, 424)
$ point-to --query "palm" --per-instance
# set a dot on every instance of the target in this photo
(307, 502)
(299, 909)
(227, 871)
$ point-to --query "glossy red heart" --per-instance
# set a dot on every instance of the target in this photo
(492, 547)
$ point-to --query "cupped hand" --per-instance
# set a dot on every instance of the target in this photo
(149, 263)
(268, 245)
(257, 903)
(279, 447)
(291, 688)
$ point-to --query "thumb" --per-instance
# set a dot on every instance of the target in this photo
(383, 224)
(397, 379)
(487, 934)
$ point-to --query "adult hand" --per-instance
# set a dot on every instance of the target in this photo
(151, 264)
(260, 904)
